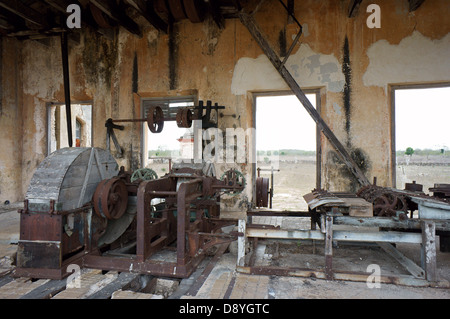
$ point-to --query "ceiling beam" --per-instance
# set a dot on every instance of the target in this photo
(214, 9)
(9, 21)
(61, 5)
(148, 12)
(118, 14)
(415, 4)
(353, 8)
(25, 12)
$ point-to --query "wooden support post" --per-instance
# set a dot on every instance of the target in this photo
(329, 247)
(248, 21)
(241, 242)
(429, 250)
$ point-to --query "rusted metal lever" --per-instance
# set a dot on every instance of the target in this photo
(110, 126)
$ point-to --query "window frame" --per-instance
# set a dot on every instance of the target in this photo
(392, 89)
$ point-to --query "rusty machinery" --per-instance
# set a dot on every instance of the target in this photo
(264, 192)
(391, 202)
(155, 120)
(82, 209)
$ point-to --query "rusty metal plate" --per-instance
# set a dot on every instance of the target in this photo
(40, 226)
(39, 254)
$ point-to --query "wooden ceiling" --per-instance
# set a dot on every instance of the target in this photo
(37, 19)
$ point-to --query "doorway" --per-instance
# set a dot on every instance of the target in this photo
(172, 144)
(421, 136)
(81, 115)
(287, 147)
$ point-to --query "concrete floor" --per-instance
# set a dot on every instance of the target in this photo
(224, 282)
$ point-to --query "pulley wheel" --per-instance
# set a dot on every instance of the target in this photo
(111, 198)
(155, 119)
(144, 174)
(389, 204)
(184, 118)
(262, 192)
(234, 178)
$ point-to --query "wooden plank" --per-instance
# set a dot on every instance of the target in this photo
(338, 235)
(359, 207)
(118, 15)
(25, 12)
(86, 179)
(207, 270)
(414, 269)
(5, 280)
(429, 250)
(149, 14)
(329, 247)
(122, 281)
(242, 225)
(99, 165)
(47, 290)
(248, 21)
(19, 287)
(50, 173)
(90, 282)
(386, 222)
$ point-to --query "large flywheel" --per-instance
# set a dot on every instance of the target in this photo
(111, 198)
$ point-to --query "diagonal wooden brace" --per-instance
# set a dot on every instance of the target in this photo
(248, 21)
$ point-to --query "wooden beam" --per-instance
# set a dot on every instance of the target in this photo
(415, 4)
(353, 8)
(118, 15)
(248, 21)
(149, 14)
(61, 5)
(214, 10)
(25, 12)
(4, 24)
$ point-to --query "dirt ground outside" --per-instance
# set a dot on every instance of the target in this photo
(297, 176)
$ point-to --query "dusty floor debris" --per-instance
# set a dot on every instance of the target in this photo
(223, 282)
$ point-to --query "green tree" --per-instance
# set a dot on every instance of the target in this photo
(409, 151)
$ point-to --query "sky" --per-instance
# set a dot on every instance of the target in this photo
(422, 118)
(283, 123)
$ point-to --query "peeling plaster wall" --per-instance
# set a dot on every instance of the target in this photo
(10, 122)
(351, 64)
(415, 59)
(309, 69)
